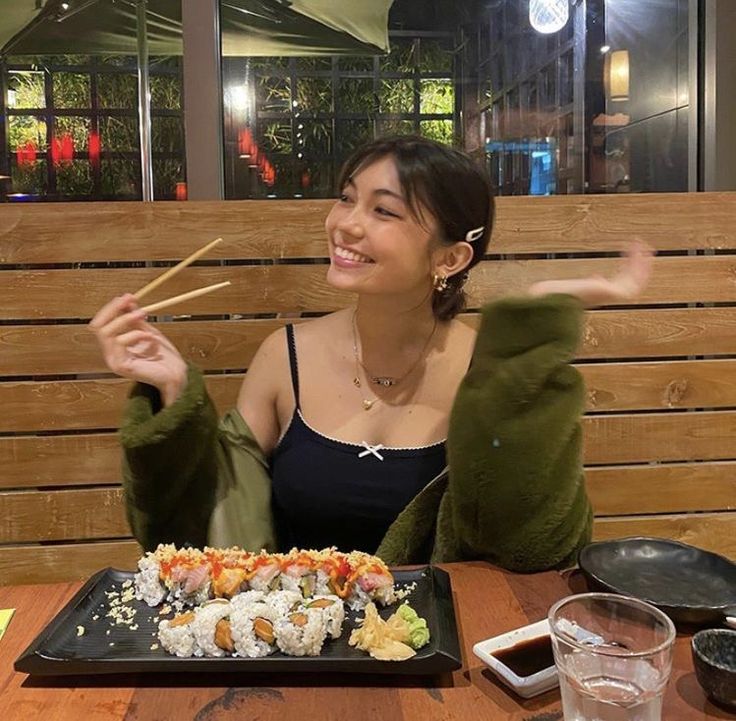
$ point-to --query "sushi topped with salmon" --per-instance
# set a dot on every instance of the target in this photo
(192, 576)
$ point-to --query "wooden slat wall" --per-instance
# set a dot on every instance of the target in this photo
(661, 374)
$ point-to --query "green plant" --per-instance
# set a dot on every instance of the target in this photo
(434, 57)
(317, 136)
(29, 178)
(440, 130)
(78, 128)
(402, 57)
(28, 87)
(74, 178)
(25, 128)
(356, 64)
(120, 177)
(274, 93)
(356, 95)
(396, 96)
(118, 90)
(276, 138)
(436, 96)
(119, 134)
(167, 135)
(71, 90)
(313, 95)
(165, 92)
(307, 63)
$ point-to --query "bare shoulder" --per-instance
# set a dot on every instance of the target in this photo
(272, 352)
(270, 365)
(322, 328)
(464, 331)
(461, 338)
(267, 368)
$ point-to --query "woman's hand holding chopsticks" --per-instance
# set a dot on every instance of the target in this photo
(134, 349)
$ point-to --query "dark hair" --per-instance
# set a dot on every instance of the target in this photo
(448, 184)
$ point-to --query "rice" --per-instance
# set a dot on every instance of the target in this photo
(203, 626)
(246, 598)
(178, 640)
(242, 626)
(385, 595)
(358, 599)
(334, 613)
(323, 587)
(284, 601)
(304, 640)
(148, 586)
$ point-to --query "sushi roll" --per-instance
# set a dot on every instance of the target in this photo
(333, 610)
(190, 583)
(284, 601)
(176, 636)
(148, 586)
(299, 573)
(333, 570)
(228, 571)
(246, 598)
(253, 631)
(301, 633)
(369, 580)
(227, 582)
(264, 571)
(211, 628)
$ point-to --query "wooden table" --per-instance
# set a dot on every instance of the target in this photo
(487, 602)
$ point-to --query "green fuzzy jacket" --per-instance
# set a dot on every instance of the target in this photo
(514, 493)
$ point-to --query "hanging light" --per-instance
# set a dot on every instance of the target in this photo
(617, 75)
(239, 98)
(67, 149)
(55, 151)
(548, 16)
(93, 148)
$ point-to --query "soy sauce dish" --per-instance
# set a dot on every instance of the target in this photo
(522, 659)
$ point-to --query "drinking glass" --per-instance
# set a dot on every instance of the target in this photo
(613, 656)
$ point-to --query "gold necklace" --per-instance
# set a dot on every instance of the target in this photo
(383, 381)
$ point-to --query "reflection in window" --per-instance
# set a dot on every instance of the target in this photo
(72, 130)
(600, 105)
(291, 122)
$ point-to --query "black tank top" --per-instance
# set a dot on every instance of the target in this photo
(327, 492)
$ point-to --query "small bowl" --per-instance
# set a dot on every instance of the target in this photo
(524, 686)
(714, 657)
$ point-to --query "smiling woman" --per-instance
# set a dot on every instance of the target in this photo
(438, 193)
(345, 427)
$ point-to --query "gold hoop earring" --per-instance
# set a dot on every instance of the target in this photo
(439, 283)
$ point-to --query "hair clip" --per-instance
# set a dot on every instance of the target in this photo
(474, 234)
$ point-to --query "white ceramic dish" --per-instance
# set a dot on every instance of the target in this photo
(524, 686)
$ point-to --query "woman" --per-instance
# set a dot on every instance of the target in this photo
(338, 437)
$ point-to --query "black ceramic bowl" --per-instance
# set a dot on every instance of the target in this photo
(714, 656)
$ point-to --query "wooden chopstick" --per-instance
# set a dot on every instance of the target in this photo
(184, 296)
(156, 282)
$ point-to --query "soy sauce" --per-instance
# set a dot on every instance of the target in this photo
(527, 657)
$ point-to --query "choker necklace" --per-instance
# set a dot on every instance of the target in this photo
(383, 381)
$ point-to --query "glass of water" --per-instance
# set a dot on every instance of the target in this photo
(613, 656)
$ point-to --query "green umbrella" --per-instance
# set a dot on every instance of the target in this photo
(249, 27)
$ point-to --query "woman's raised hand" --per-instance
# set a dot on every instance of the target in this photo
(630, 280)
(134, 349)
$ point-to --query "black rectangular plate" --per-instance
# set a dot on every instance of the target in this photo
(59, 650)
